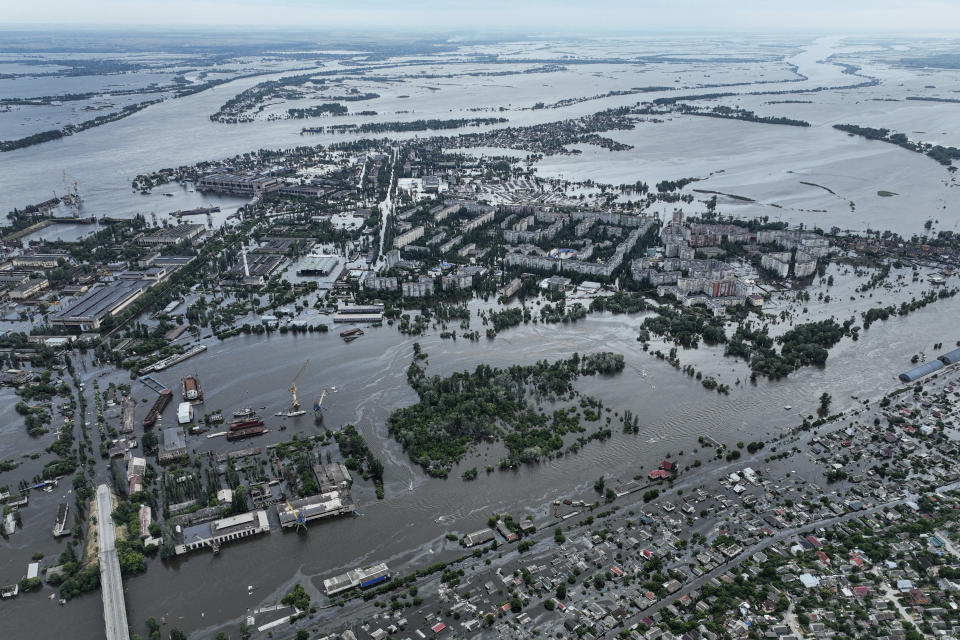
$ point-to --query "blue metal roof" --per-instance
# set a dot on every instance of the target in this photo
(951, 357)
(918, 372)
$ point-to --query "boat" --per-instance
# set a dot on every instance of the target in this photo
(190, 388)
(350, 338)
(290, 414)
(356, 331)
(246, 424)
(787, 407)
(244, 413)
(161, 403)
(246, 433)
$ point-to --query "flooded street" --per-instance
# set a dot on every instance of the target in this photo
(406, 529)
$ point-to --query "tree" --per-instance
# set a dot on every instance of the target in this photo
(825, 400)
(176, 634)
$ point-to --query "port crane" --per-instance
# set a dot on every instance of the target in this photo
(293, 385)
(317, 408)
(301, 521)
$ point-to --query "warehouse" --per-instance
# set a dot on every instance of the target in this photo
(315, 265)
(918, 372)
(172, 235)
(952, 357)
(214, 534)
(90, 310)
(362, 578)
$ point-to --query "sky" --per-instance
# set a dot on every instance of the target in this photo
(524, 16)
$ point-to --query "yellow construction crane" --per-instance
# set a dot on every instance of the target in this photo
(293, 385)
(301, 521)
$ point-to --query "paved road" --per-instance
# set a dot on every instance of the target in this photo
(114, 609)
(763, 544)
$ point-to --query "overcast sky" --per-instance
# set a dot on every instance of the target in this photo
(525, 16)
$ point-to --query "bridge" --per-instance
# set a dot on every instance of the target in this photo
(111, 584)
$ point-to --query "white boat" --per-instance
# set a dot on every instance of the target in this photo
(787, 407)
(290, 414)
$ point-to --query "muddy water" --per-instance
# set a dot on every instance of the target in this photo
(203, 591)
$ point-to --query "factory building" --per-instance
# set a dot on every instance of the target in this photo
(216, 533)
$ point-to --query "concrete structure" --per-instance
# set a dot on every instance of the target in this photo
(173, 444)
(406, 238)
(357, 578)
(216, 533)
(239, 184)
(173, 235)
(357, 317)
(114, 607)
(778, 263)
(419, 289)
(91, 309)
(39, 260)
(318, 265)
(325, 505)
(382, 283)
(28, 289)
(478, 537)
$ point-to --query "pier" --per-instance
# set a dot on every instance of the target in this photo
(114, 607)
(153, 383)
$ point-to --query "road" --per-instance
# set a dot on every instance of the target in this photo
(763, 544)
(111, 584)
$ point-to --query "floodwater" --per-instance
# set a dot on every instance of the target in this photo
(735, 155)
(203, 593)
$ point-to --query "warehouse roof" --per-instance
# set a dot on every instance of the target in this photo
(918, 372)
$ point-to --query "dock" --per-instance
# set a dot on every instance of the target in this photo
(153, 383)
(114, 606)
(60, 527)
(129, 407)
(172, 360)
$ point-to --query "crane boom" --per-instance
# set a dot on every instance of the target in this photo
(293, 385)
(301, 521)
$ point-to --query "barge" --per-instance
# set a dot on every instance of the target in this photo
(246, 424)
(191, 390)
(242, 434)
(162, 401)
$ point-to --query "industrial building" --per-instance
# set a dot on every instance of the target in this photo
(357, 317)
(478, 537)
(216, 533)
(244, 185)
(324, 505)
(28, 289)
(318, 265)
(39, 260)
(944, 360)
(173, 444)
(172, 235)
(923, 370)
(362, 578)
(91, 309)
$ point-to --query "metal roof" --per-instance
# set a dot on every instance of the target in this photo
(951, 357)
(918, 372)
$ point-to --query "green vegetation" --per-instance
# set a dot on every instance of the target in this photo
(943, 155)
(298, 598)
(467, 408)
